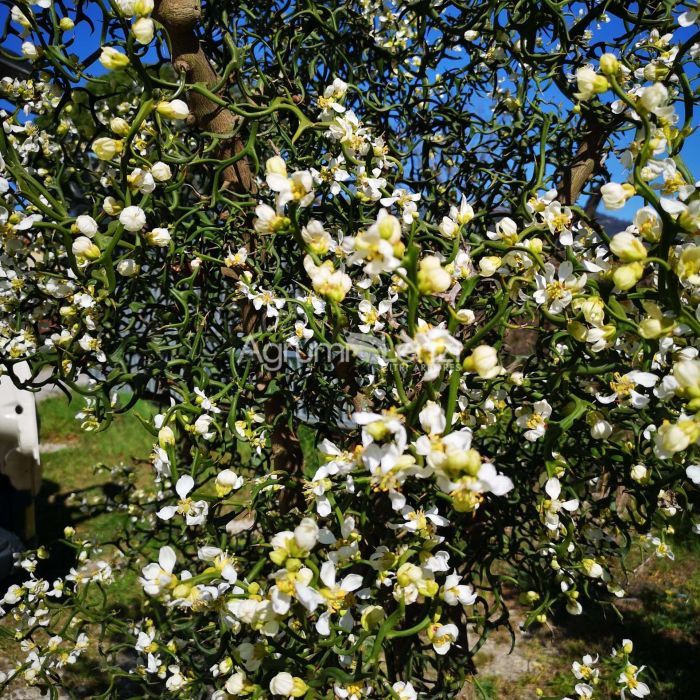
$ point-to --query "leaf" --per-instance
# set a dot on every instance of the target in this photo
(307, 441)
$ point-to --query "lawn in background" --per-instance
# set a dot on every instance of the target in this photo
(661, 615)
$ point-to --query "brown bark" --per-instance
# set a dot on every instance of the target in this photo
(180, 18)
(586, 162)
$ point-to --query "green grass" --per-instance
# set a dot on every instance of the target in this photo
(661, 615)
(72, 489)
(74, 493)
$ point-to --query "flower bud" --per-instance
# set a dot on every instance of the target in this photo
(372, 617)
(589, 83)
(489, 265)
(18, 16)
(609, 65)
(653, 97)
(143, 8)
(119, 126)
(84, 248)
(306, 534)
(113, 59)
(626, 276)
(468, 461)
(106, 148)
(227, 481)
(448, 227)
(161, 171)
(615, 195)
(276, 166)
(128, 267)
(465, 316)
(601, 429)
(687, 374)
(389, 228)
(132, 218)
(175, 109)
(577, 331)
(111, 206)
(628, 247)
(30, 52)
(483, 361)
(143, 30)
(432, 277)
(86, 225)
(166, 436)
(516, 378)
(66, 24)
(592, 568)
(639, 473)
(159, 237)
(287, 685)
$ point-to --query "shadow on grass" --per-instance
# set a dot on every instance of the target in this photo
(665, 629)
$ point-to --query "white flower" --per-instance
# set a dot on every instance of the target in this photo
(535, 420)
(552, 506)
(204, 402)
(268, 220)
(431, 346)
(271, 303)
(442, 637)
(455, 593)
(195, 512)
(589, 83)
(132, 218)
(317, 238)
(404, 200)
(296, 188)
(326, 280)
(202, 424)
(371, 315)
(377, 247)
(159, 577)
(422, 522)
(623, 387)
(628, 679)
(506, 231)
(176, 681)
(337, 598)
(557, 294)
(693, 473)
(558, 218)
(329, 101)
(405, 691)
(583, 690)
